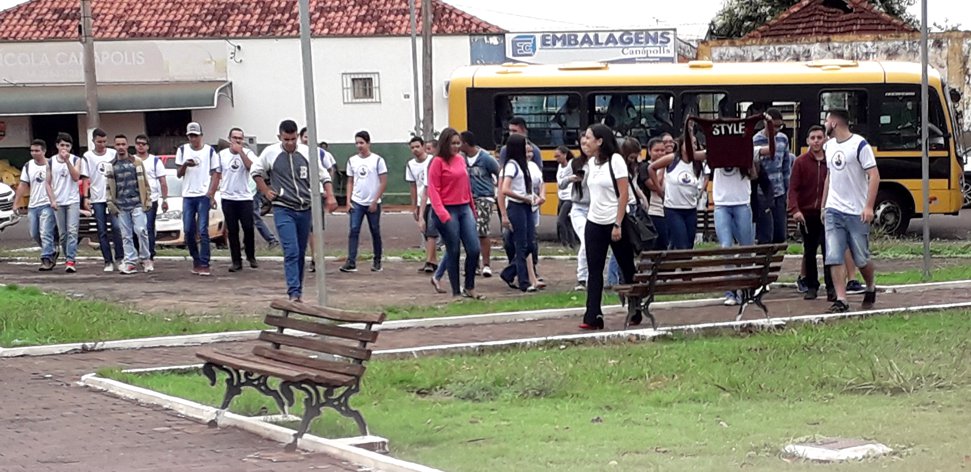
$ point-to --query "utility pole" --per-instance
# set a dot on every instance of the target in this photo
(90, 73)
(925, 157)
(414, 68)
(316, 208)
(428, 92)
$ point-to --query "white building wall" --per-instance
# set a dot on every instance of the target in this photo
(129, 124)
(18, 132)
(267, 87)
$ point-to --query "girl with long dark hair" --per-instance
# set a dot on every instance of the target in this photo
(520, 186)
(682, 189)
(608, 181)
(450, 193)
(564, 229)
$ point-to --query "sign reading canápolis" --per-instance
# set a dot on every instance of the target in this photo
(648, 45)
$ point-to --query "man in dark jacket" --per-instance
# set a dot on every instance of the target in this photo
(805, 204)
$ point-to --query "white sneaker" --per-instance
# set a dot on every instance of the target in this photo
(486, 271)
(128, 269)
(148, 265)
(730, 299)
(109, 267)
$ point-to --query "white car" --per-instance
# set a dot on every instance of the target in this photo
(7, 217)
(168, 225)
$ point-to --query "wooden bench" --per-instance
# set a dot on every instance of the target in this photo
(327, 366)
(748, 269)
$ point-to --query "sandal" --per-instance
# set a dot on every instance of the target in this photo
(438, 286)
(471, 294)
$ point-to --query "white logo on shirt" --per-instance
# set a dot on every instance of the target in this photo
(685, 178)
(729, 171)
(839, 160)
(235, 164)
(103, 168)
(362, 172)
(303, 172)
(41, 176)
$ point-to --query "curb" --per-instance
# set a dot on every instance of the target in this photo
(269, 431)
(462, 320)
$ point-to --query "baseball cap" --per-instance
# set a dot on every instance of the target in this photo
(193, 128)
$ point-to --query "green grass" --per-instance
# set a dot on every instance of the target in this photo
(689, 403)
(31, 317)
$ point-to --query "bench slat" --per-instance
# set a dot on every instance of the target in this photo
(305, 362)
(693, 253)
(669, 265)
(316, 345)
(273, 368)
(678, 288)
(334, 314)
(694, 275)
(362, 335)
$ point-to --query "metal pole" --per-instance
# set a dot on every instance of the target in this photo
(90, 72)
(428, 94)
(316, 209)
(925, 157)
(414, 67)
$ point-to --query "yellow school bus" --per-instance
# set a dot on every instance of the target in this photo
(646, 100)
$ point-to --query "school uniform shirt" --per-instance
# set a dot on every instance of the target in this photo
(154, 170)
(234, 178)
(35, 175)
(287, 174)
(603, 196)
(731, 186)
(681, 186)
(195, 181)
(98, 167)
(417, 172)
(518, 179)
(563, 173)
(66, 190)
(366, 172)
(848, 163)
(483, 172)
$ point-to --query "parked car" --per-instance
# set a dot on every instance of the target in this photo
(7, 216)
(168, 225)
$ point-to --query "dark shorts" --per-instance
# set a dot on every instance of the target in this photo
(483, 215)
(431, 229)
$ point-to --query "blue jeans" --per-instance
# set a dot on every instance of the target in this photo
(770, 220)
(150, 217)
(294, 228)
(258, 221)
(522, 236)
(42, 224)
(661, 225)
(460, 230)
(682, 226)
(733, 225)
(195, 220)
(358, 213)
(67, 217)
(845, 231)
(101, 218)
(131, 224)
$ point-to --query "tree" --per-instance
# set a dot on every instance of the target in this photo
(739, 17)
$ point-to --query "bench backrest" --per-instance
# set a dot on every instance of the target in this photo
(331, 347)
(709, 270)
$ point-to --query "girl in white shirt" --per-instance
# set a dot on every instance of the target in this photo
(564, 170)
(681, 194)
(608, 180)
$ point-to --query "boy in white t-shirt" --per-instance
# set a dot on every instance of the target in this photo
(198, 167)
(237, 198)
(35, 182)
(416, 174)
(98, 161)
(67, 170)
(155, 174)
(849, 194)
(367, 179)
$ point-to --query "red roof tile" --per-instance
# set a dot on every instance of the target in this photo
(824, 18)
(40, 20)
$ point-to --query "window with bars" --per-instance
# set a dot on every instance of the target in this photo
(362, 88)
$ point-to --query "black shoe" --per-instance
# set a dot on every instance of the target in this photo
(428, 268)
(801, 286)
(348, 267)
(830, 295)
(811, 294)
(46, 265)
(313, 266)
(253, 264)
(839, 306)
(854, 287)
(869, 298)
(510, 283)
(376, 266)
(236, 268)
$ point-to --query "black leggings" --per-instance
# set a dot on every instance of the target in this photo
(597, 240)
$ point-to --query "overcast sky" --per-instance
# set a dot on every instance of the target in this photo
(690, 17)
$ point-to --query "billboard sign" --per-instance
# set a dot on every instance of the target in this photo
(649, 45)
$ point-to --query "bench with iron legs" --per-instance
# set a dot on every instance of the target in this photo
(747, 270)
(325, 366)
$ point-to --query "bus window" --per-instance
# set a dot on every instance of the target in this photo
(553, 120)
(642, 116)
(790, 118)
(707, 105)
(900, 123)
(853, 101)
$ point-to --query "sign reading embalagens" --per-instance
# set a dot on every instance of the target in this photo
(658, 45)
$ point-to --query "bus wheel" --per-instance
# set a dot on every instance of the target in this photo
(890, 214)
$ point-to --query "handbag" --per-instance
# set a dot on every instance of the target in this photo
(637, 226)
